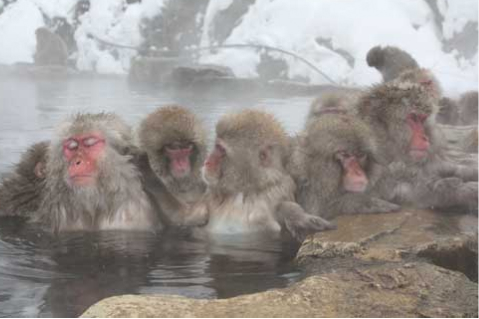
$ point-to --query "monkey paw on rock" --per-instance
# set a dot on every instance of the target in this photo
(299, 223)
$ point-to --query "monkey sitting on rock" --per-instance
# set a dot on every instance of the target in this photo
(335, 163)
(417, 173)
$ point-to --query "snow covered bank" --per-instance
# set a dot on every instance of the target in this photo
(334, 35)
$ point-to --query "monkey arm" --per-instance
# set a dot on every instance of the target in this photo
(452, 191)
(466, 173)
(297, 222)
(359, 203)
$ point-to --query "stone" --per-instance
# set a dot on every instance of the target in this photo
(390, 290)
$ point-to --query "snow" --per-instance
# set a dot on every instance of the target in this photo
(319, 31)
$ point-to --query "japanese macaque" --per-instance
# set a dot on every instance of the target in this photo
(51, 49)
(336, 165)
(175, 142)
(390, 61)
(91, 181)
(21, 191)
(468, 106)
(249, 189)
(418, 174)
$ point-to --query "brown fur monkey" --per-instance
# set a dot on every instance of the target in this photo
(390, 61)
(91, 180)
(249, 189)
(175, 142)
(21, 191)
(51, 49)
(339, 164)
(418, 174)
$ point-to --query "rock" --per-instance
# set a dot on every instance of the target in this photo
(447, 240)
(391, 290)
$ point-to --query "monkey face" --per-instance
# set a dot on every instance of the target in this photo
(180, 156)
(212, 168)
(419, 142)
(354, 178)
(82, 154)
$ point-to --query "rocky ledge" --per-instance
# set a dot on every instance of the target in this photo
(406, 264)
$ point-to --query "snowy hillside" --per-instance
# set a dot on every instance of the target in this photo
(334, 35)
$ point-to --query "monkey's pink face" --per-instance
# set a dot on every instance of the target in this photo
(212, 165)
(419, 143)
(179, 156)
(82, 152)
(354, 178)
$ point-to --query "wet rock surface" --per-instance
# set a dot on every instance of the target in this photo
(407, 264)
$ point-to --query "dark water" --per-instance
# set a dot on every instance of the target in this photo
(42, 275)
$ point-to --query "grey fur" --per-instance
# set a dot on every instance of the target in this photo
(390, 61)
(116, 202)
(21, 190)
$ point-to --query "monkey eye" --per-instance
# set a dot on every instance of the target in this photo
(71, 144)
(220, 149)
(361, 156)
(342, 155)
(90, 141)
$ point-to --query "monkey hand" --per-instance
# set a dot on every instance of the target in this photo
(298, 223)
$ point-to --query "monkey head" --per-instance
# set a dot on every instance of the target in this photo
(82, 146)
(249, 153)
(175, 142)
(403, 110)
(346, 147)
(425, 78)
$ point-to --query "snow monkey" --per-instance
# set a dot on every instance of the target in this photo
(175, 142)
(390, 61)
(337, 165)
(249, 189)
(51, 49)
(91, 181)
(21, 191)
(417, 174)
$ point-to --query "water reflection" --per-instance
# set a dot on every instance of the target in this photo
(41, 275)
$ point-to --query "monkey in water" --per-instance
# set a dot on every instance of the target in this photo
(91, 180)
(249, 189)
(21, 191)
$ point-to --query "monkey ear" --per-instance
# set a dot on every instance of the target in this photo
(40, 170)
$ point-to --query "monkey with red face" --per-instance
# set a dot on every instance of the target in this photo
(335, 164)
(418, 174)
(91, 181)
(249, 189)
